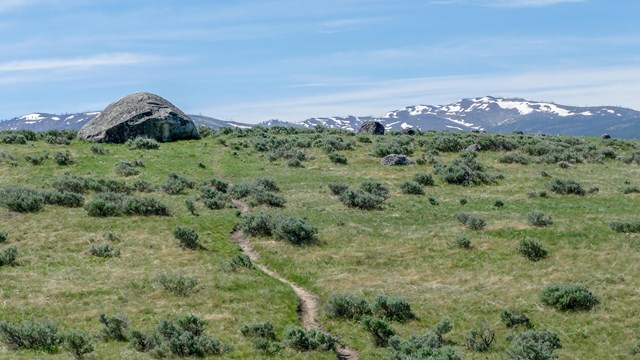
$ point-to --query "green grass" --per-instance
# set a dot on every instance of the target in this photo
(404, 249)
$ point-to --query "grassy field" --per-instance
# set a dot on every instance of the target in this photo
(404, 248)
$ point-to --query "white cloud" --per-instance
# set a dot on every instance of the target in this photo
(506, 3)
(589, 86)
(117, 59)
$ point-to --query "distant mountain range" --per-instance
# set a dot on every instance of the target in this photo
(487, 113)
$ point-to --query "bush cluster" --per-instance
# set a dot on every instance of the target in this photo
(625, 227)
(187, 237)
(8, 256)
(393, 308)
(370, 196)
(532, 249)
(480, 339)
(424, 179)
(37, 159)
(566, 187)
(411, 187)
(31, 335)
(104, 251)
(181, 285)
(533, 344)
(571, 297)
(291, 229)
(337, 158)
(514, 318)
(380, 330)
(128, 168)
(465, 170)
(471, 221)
(176, 184)
(63, 158)
(143, 143)
(262, 336)
(238, 262)
(22, 200)
(3, 236)
(538, 218)
(115, 204)
(80, 185)
(350, 307)
(182, 337)
(306, 340)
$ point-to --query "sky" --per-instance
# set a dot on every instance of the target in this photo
(255, 60)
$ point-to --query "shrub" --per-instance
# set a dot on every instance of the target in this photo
(127, 168)
(625, 227)
(79, 344)
(257, 225)
(176, 184)
(411, 187)
(305, 340)
(514, 318)
(443, 327)
(22, 200)
(294, 230)
(375, 188)
(63, 158)
(105, 204)
(433, 201)
(295, 163)
(109, 236)
(424, 179)
(115, 327)
(191, 207)
(480, 339)
(145, 206)
(631, 190)
(143, 186)
(337, 189)
(387, 146)
(392, 308)
(213, 198)
(37, 159)
(8, 256)
(241, 190)
(261, 330)
(240, 261)
(498, 203)
(361, 200)
(187, 237)
(337, 158)
(143, 143)
(465, 171)
(565, 187)
(514, 158)
(533, 345)
(31, 335)
(379, 329)
(98, 150)
(463, 242)
(269, 198)
(177, 284)
(217, 184)
(532, 249)
(473, 222)
(104, 251)
(182, 337)
(568, 297)
(68, 199)
(3, 236)
(266, 184)
(538, 218)
(421, 347)
(348, 307)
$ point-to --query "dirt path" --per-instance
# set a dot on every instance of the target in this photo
(309, 303)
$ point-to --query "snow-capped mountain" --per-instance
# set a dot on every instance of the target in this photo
(501, 115)
(46, 122)
(487, 113)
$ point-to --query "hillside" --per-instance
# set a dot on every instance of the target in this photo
(410, 245)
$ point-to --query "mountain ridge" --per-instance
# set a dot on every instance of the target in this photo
(487, 113)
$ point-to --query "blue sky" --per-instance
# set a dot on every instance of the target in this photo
(254, 60)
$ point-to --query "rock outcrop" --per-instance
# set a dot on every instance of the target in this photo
(140, 115)
(473, 148)
(371, 128)
(395, 159)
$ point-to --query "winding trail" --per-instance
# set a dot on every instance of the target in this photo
(309, 303)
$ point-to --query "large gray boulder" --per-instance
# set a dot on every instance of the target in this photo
(371, 128)
(395, 159)
(140, 114)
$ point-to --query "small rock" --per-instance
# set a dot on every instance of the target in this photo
(606, 136)
(408, 131)
(395, 159)
(371, 128)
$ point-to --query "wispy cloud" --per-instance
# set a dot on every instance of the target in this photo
(506, 3)
(118, 59)
(589, 86)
